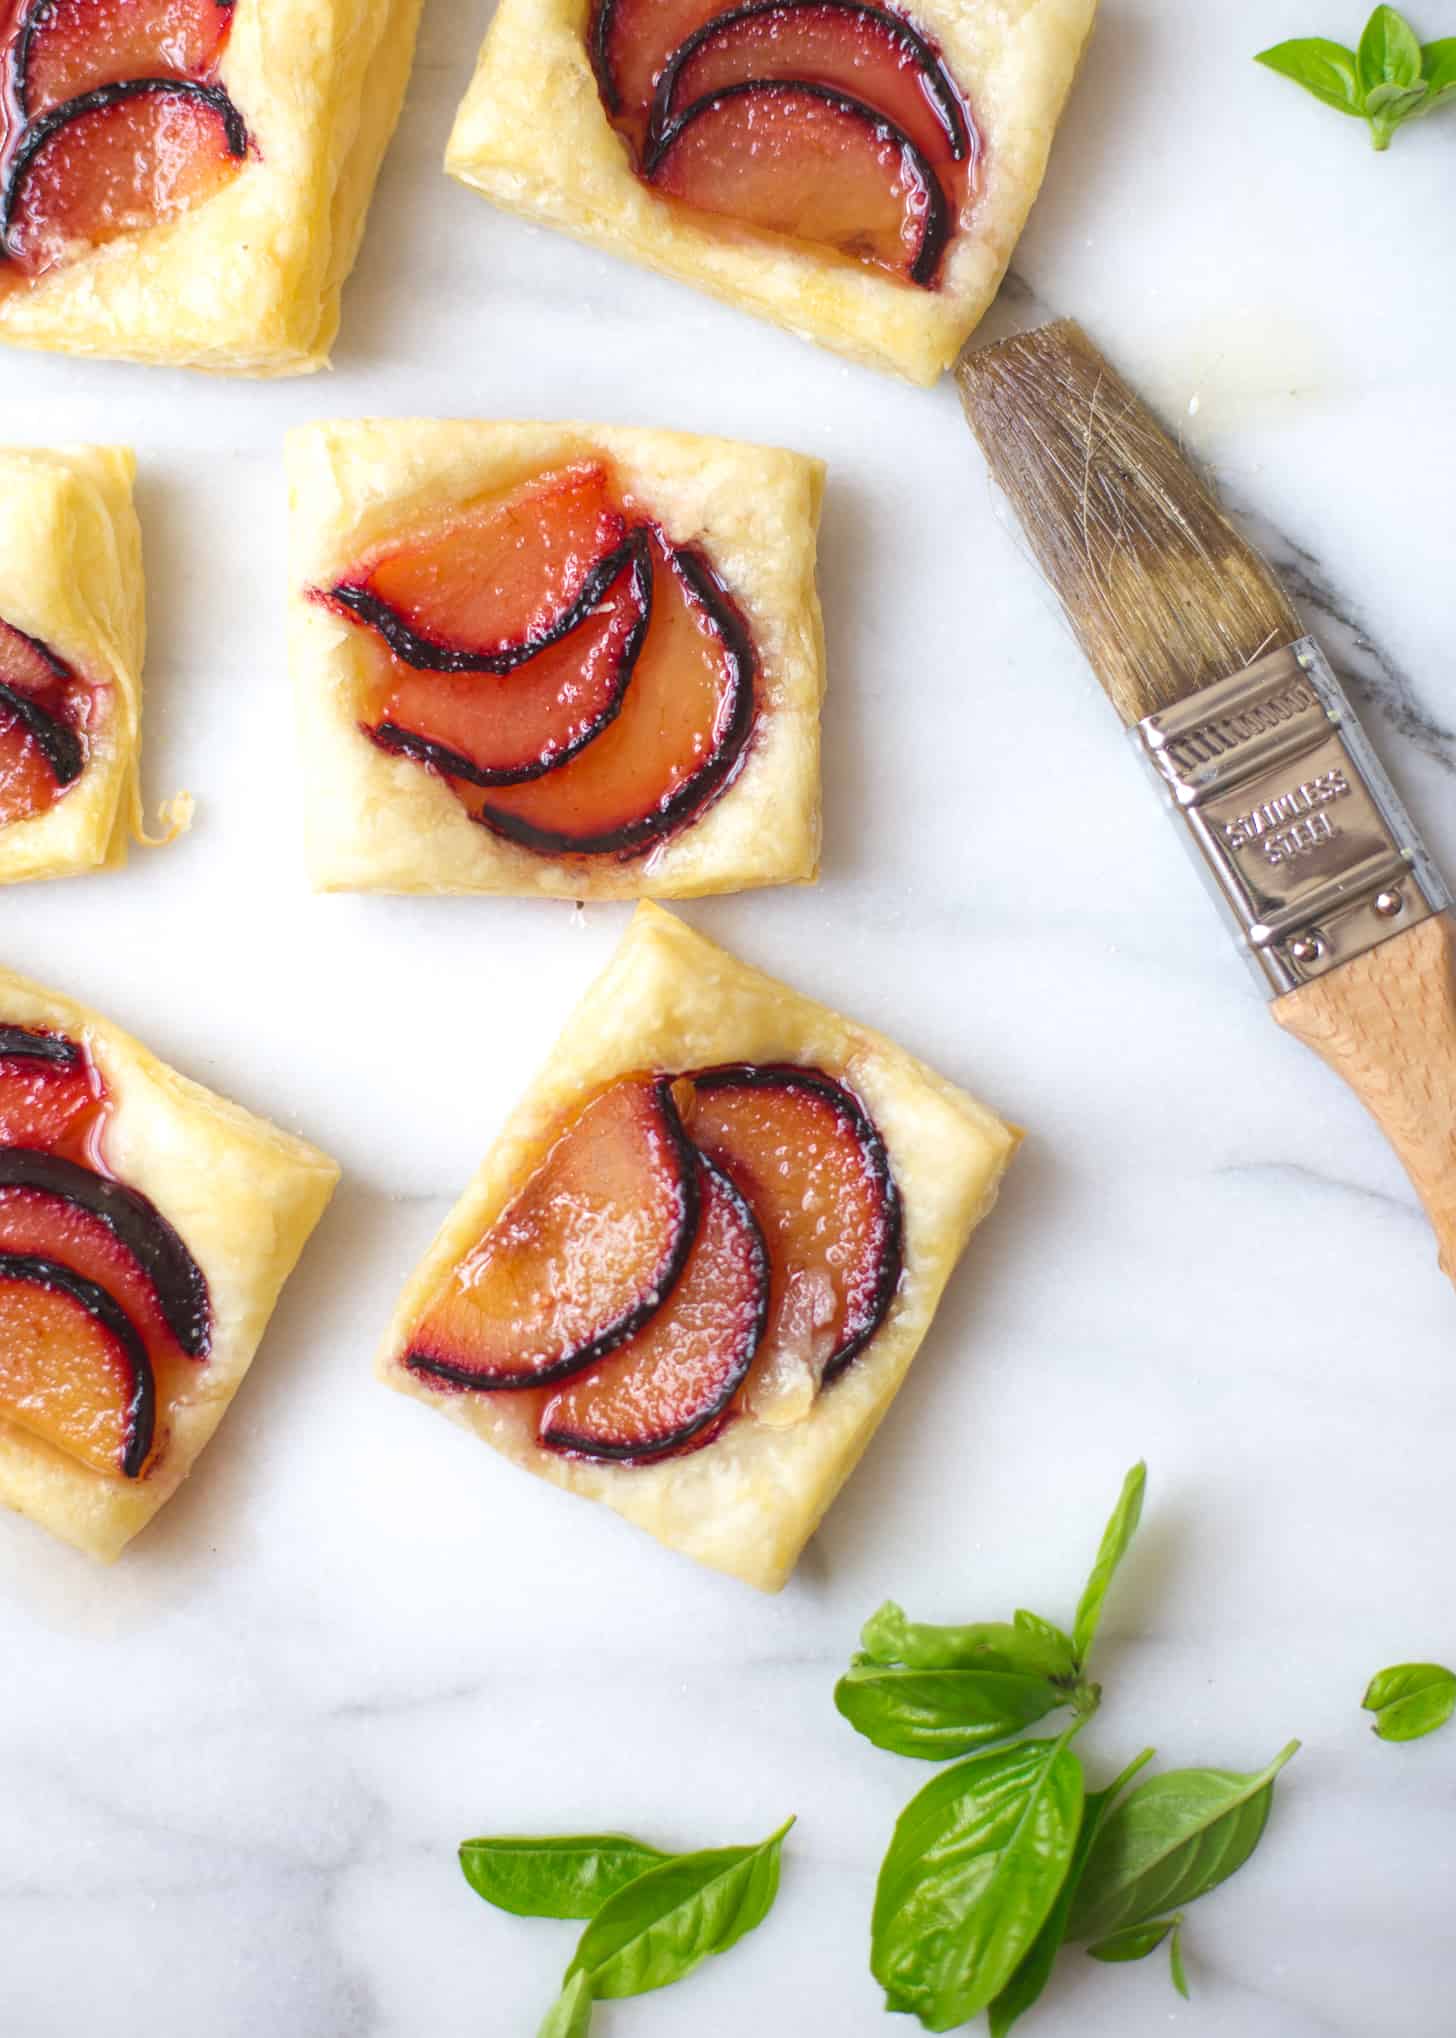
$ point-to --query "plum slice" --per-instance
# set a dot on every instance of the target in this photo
(668, 1386)
(41, 748)
(494, 584)
(810, 163)
(680, 735)
(123, 156)
(807, 1155)
(502, 729)
(87, 1220)
(67, 47)
(49, 1089)
(630, 42)
(580, 1259)
(865, 52)
(73, 1366)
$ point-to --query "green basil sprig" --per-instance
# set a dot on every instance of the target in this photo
(1389, 79)
(567, 1877)
(1410, 1700)
(1031, 1977)
(652, 1917)
(1136, 1942)
(973, 1871)
(938, 1692)
(663, 1925)
(1171, 1840)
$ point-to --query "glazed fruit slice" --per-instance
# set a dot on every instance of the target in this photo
(49, 1090)
(96, 1224)
(865, 52)
(502, 729)
(124, 156)
(496, 583)
(669, 1385)
(73, 1367)
(811, 163)
(49, 1226)
(41, 748)
(67, 47)
(584, 1255)
(631, 41)
(678, 739)
(807, 1156)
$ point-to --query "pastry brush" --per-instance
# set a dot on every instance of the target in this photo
(1248, 732)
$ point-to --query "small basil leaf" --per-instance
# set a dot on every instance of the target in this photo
(1172, 1839)
(570, 2015)
(1025, 1986)
(1411, 1700)
(1327, 69)
(939, 1714)
(567, 1877)
(1389, 53)
(971, 1875)
(1387, 106)
(1116, 1537)
(1176, 1968)
(1135, 1942)
(1438, 68)
(660, 1927)
(1038, 1650)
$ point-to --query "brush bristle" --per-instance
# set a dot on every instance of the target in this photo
(1163, 593)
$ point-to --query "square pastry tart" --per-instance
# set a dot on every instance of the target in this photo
(72, 631)
(693, 1270)
(860, 174)
(146, 1229)
(575, 660)
(186, 181)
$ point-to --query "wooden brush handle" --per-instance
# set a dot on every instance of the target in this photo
(1386, 1022)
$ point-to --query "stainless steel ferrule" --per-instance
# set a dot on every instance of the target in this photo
(1291, 817)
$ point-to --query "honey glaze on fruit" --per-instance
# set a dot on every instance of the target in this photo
(822, 121)
(44, 712)
(584, 685)
(103, 1311)
(689, 1250)
(114, 120)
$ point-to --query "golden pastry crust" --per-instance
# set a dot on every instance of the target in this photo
(249, 281)
(532, 135)
(748, 1502)
(244, 1198)
(71, 574)
(375, 822)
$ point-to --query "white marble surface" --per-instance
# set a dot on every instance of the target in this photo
(235, 1768)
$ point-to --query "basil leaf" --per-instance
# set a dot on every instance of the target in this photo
(1173, 1839)
(1410, 1700)
(1438, 68)
(1025, 1986)
(660, 1927)
(1327, 69)
(570, 2014)
(1116, 1537)
(971, 1875)
(569, 1877)
(1135, 1942)
(1176, 1968)
(1389, 53)
(1387, 106)
(1030, 1645)
(939, 1714)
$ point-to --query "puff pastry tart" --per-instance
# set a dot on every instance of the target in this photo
(859, 173)
(563, 659)
(694, 1269)
(72, 630)
(185, 181)
(146, 1228)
